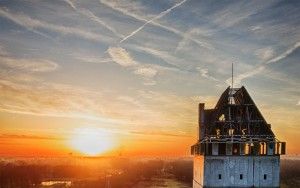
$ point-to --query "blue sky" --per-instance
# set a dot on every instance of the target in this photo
(135, 64)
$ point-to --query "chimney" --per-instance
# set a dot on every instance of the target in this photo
(201, 121)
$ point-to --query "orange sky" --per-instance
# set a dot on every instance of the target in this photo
(31, 135)
(25, 137)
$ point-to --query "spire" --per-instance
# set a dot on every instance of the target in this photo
(232, 75)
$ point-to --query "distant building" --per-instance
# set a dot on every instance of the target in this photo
(236, 146)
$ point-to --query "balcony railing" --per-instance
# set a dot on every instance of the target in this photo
(238, 138)
(238, 148)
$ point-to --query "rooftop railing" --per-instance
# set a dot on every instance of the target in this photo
(238, 148)
(238, 138)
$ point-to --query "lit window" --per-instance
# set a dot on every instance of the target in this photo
(222, 118)
(230, 132)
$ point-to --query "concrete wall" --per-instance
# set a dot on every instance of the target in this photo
(236, 171)
(269, 167)
(198, 171)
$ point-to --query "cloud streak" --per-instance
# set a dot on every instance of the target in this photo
(52, 100)
(259, 68)
(265, 54)
(124, 11)
(30, 65)
(147, 72)
(33, 24)
(285, 54)
(121, 56)
(93, 59)
(204, 73)
(158, 133)
(187, 36)
(171, 60)
(87, 13)
(23, 136)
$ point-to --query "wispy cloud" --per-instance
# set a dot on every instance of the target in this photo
(240, 77)
(255, 28)
(126, 10)
(71, 3)
(265, 54)
(204, 73)
(187, 38)
(23, 136)
(23, 92)
(147, 72)
(60, 100)
(234, 13)
(92, 59)
(158, 133)
(259, 68)
(52, 100)
(87, 13)
(160, 15)
(33, 24)
(164, 55)
(284, 54)
(31, 65)
(121, 56)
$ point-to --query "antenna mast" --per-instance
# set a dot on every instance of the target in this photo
(232, 75)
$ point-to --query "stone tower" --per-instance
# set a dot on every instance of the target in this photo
(236, 146)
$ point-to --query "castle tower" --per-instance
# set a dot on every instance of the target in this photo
(236, 146)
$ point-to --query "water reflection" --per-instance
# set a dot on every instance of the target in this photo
(54, 183)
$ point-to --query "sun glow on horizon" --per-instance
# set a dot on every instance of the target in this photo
(92, 141)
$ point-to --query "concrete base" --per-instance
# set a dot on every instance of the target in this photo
(236, 171)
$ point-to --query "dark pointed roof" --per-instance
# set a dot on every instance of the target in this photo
(236, 111)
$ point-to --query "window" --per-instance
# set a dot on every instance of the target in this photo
(222, 117)
(222, 149)
(241, 176)
(265, 176)
(218, 132)
(220, 176)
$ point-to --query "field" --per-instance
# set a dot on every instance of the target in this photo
(290, 173)
(112, 172)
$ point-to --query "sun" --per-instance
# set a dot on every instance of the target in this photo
(92, 141)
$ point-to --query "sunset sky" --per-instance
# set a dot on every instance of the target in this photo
(130, 73)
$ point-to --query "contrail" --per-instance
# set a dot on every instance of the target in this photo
(153, 19)
(70, 2)
(6, 14)
(168, 28)
(285, 54)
